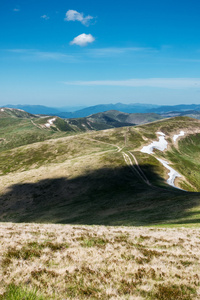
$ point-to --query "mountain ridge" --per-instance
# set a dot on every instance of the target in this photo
(100, 177)
(75, 112)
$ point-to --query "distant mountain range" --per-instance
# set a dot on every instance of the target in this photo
(76, 112)
(99, 121)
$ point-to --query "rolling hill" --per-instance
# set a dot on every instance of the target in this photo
(143, 181)
(114, 118)
(131, 108)
(99, 177)
(38, 127)
(117, 118)
(35, 109)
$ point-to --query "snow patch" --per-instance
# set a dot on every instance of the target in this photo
(172, 173)
(160, 133)
(2, 109)
(176, 136)
(50, 122)
(161, 144)
(14, 109)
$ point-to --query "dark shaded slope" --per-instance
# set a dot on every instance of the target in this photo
(114, 119)
(106, 196)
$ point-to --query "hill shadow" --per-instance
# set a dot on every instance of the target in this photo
(107, 196)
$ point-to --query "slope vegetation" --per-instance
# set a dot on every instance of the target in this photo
(110, 177)
(103, 177)
(114, 118)
(18, 128)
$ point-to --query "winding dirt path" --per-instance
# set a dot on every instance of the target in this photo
(118, 148)
(136, 170)
(128, 160)
(140, 170)
(36, 124)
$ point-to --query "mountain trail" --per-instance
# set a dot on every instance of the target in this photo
(135, 168)
(36, 125)
(140, 170)
(128, 161)
(118, 148)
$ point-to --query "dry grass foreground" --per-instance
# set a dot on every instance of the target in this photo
(98, 262)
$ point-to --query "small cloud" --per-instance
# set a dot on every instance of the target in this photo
(17, 50)
(45, 17)
(167, 83)
(106, 52)
(34, 54)
(16, 9)
(83, 40)
(73, 15)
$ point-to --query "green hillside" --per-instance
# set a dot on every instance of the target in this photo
(18, 128)
(114, 118)
(92, 178)
(6, 112)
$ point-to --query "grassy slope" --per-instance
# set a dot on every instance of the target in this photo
(15, 113)
(184, 155)
(18, 128)
(113, 118)
(84, 179)
(15, 132)
(186, 159)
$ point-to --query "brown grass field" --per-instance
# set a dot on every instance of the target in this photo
(41, 261)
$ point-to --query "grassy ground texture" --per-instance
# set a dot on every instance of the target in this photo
(42, 262)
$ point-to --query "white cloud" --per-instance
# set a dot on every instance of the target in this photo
(45, 17)
(73, 15)
(16, 9)
(83, 40)
(169, 83)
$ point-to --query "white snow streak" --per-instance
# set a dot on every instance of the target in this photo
(172, 173)
(161, 144)
(178, 135)
(50, 122)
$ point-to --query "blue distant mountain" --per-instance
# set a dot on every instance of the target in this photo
(76, 112)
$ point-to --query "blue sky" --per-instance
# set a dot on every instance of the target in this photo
(62, 53)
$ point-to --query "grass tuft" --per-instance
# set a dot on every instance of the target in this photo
(14, 292)
(173, 292)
